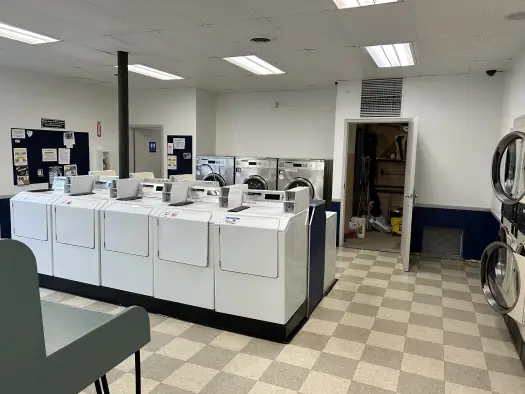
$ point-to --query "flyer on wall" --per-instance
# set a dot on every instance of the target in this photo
(20, 157)
(22, 176)
(53, 172)
(70, 170)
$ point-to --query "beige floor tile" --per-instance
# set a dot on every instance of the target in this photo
(478, 298)
(381, 356)
(126, 384)
(506, 384)
(424, 348)
(266, 388)
(332, 303)
(191, 377)
(320, 326)
(369, 252)
(425, 333)
(416, 384)
(403, 279)
(231, 341)
(376, 375)
(429, 275)
(321, 383)
(349, 333)
(375, 282)
(387, 341)
(424, 366)
(367, 299)
(459, 272)
(227, 383)
(213, 357)
(506, 365)
(428, 290)
(346, 286)
(467, 376)
(426, 320)
(399, 294)
(285, 375)
(490, 320)
(392, 303)
(426, 309)
(352, 272)
(471, 342)
(458, 304)
(128, 364)
(382, 270)
(172, 327)
(201, 334)
(460, 327)
(499, 348)
(299, 356)
(79, 302)
(360, 261)
(463, 356)
(308, 340)
(344, 348)
(386, 259)
(393, 314)
(247, 366)
(356, 320)
(453, 388)
(336, 365)
(181, 349)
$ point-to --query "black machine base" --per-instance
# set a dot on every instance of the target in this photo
(282, 333)
(515, 334)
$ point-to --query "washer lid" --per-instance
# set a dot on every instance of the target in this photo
(500, 280)
(508, 180)
(256, 182)
(301, 182)
(214, 177)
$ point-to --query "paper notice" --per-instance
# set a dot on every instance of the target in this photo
(70, 170)
(172, 162)
(22, 176)
(170, 148)
(179, 143)
(18, 134)
(53, 172)
(69, 140)
(20, 157)
(49, 155)
(64, 155)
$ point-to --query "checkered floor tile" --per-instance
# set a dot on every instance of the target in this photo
(380, 330)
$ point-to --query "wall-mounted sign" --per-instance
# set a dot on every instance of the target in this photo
(152, 147)
(99, 129)
(53, 123)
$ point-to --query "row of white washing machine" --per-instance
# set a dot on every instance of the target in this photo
(233, 250)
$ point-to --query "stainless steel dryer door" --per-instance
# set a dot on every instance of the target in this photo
(507, 175)
(500, 279)
(301, 182)
(214, 177)
(256, 182)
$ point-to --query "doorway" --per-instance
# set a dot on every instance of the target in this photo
(378, 185)
(145, 153)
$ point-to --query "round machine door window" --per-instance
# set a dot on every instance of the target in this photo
(507, 168)
(500, 280)
(256, 182)
(213, 177)
(301, 182)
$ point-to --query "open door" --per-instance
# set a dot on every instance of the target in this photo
(410, 195)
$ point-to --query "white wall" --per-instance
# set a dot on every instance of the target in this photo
(459, 122)
(25, 97)
(174, 110)
(205, 127)
(301, 127)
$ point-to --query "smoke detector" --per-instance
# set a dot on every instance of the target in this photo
(516, 16)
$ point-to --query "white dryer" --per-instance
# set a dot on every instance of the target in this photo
(261, 259)
(31, 218)
(126, 257)
(76, 229)
(183, 241)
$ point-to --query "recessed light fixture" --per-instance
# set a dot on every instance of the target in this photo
(254, 64)
(516, 16)
(392, 55)
(15, 33)
(151, 72)
(341, 4)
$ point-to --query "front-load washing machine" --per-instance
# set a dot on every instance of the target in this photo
(31, 217)
(126, 256)
(502, 280)
(316, 175)
(216, 169)
(507, 172)
(262, 260)
(257, 172)
(183, 241)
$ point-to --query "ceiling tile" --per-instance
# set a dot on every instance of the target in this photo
(499, 25)
(499, 47)
(270, 8)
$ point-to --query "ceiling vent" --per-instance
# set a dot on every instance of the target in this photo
(381, 98)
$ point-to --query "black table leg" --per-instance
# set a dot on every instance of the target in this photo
(137, 372)
(97, 386)
(105, 385)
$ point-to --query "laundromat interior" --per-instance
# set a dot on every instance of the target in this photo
(262, 196)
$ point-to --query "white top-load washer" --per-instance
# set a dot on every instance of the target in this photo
(76, 229)
(31, 217)
(261, 259)
(183, 240)
(126, 256)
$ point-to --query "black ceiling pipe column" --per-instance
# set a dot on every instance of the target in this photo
(123, 115)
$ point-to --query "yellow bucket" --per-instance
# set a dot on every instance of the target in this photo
(397, 225)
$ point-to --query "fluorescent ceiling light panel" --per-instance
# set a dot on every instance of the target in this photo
(151, 72)
(15, 33)
(254, 64)
(392, 55)
(341, 4)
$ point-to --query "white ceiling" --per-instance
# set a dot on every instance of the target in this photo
(315, 43)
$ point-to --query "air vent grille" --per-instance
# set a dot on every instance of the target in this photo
(381, 98)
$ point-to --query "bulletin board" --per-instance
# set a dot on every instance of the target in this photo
(37, 154)
(179, 152)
